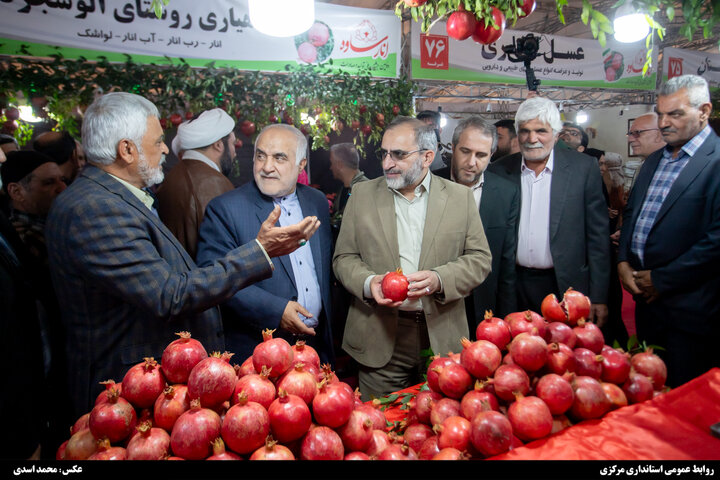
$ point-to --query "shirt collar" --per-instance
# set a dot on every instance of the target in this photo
(195, 155)
(692, 146)
(286, 199)
(548, 166)
(141, 194)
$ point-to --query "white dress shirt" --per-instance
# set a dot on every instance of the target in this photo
(533, 250)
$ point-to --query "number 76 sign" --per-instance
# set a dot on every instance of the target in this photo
(434, 51)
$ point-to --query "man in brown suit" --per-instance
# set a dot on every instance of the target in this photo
(208, 145)
(431, 228)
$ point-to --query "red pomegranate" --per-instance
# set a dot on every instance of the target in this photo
(143, 383)
(423, 404)
(245, 426)
(219, 452)
(106, 451)
(172, 403)
(322, 443)
(306, 354)
(615, 365)
(332, 405)
(80, 424)
(552, 309)
(529, 322)
(556, 392)
(616, 395)
(298, 381)
(247, 368)
(454, 380)
(588, 363)
(650, 365)
(589, 336)
(212, 380)
(480, 358)
(461, 24)
(561, 359)
(356, 456)
(590, 399)
(257, 387)
(494, 330)
(560, 422)
(180, 356)
(60, 453)
(637, 387)
(562, 333)
(454, 432)
(491, 433)
(530, 418)
(510, 379)
(477, 400)
(576, 305)
(380, 441)
(416, 434)
(429, 448)
(109, 384)
(485, 32)
(290, 417)
(529, 351)
(114, 419)
(356, 433)
(395, 285)
(374, 413)
(151, 443)
(434, 369)
(272, 451)
(81, 445)
(450, 454)
(398, 451)
(192, 435)
(442, 409)
(273, 353)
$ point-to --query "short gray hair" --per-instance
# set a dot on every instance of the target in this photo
(477, 123)
(112, 118)
(347, 154)
(697, 89)
(542, 109)
(301, 147)
(424, 134)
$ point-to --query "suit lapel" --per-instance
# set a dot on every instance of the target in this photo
(308, 209)
(487, 199)
(263, 206)
(558, 189)
(387, 219)
(695, 165)
(437, 200)
(104, 179)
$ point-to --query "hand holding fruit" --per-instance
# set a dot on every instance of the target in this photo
(424, 282)
(376, 290)
(291, 322)
(278, 241)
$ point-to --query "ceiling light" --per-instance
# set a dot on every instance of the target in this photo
(630, 25)
(27, 114)
(282, 18)
(581, 117)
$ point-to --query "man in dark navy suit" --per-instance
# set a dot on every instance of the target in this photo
(670, 239)
(295, 301)
(473, 143)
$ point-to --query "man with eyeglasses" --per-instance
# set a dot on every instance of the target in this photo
(574, 136)
(644, 138)
(426, 225)
(670, 239)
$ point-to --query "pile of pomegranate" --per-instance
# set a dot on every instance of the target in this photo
(279, 404)
(526, 377)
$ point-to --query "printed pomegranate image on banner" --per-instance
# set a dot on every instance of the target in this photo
(315, 45)
(613, 64)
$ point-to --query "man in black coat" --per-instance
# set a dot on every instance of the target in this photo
(562, 236)
(473, 143)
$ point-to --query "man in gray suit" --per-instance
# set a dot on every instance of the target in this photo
(563, 226)
(428, 226)
(124, 282)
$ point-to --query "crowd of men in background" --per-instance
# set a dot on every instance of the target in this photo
(103, 256)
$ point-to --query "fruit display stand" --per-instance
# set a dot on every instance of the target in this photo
(672, 426)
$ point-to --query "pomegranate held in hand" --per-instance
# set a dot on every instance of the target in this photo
(395, 286)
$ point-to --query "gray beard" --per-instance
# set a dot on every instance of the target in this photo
(409, 177)
(149, 175)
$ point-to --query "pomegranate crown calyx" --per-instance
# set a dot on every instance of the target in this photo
(488, 314)
(184, 335)
(267, 334)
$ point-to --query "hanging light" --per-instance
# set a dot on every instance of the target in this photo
(282, 18)
(630, 25)
(581, 117)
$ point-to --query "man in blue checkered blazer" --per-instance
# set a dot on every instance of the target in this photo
(670, 241)
(124, 283)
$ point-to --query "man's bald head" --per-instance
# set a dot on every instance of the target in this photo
(644, 135)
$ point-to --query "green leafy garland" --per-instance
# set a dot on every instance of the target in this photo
(314, 100)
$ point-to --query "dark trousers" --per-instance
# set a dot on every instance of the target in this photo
(533, 285)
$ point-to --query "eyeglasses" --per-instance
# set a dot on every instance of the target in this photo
(398, 155)
(636, 133)
(573, 133)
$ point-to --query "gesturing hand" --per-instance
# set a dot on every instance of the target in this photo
(291, 322)
(278, 241)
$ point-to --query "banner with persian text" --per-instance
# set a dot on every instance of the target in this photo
(678, 62)
(219, 31)
(560, 61)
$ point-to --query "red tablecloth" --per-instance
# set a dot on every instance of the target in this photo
(672, 426)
